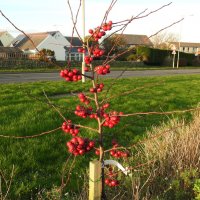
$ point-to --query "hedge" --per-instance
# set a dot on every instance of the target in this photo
(31, 64)
(152, 56)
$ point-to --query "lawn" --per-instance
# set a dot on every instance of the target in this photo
(38, 162)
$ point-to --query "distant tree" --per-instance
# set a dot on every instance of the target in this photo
(47, 54)
(164, 40)
(114, 44)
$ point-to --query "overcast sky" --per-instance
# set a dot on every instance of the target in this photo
(40, 15)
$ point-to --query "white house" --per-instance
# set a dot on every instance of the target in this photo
(5, 38)
(187, 47)
(54, 41)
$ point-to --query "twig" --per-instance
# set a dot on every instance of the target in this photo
(31, 136)
(166, 27)
(160, 113)
(56, 109)
(131, 91)
(69, 173)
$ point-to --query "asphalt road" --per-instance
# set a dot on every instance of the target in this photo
(54, 76)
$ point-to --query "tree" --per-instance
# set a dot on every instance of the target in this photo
(46, 54)
(163, 40)
(114, 44)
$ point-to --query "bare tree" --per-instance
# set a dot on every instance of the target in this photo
(164, 40)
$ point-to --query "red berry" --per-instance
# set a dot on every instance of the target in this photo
(107, 181)
(91, 31)
(97, 152)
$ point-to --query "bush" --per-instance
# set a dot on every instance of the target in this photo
(152, 56)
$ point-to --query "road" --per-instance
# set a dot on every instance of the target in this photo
(54, 76)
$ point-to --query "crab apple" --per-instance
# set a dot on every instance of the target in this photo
(105, 106)
(114, 183)
(91, 31)
(86, 69)
(110, 23)
(92, 90)
(107, 181)
(91, 143)
(97, 152)
(80, 140)
(99, 90)
(112, 152)
(81, 151)
(88, 59)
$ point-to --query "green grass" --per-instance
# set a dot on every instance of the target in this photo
(38, 162)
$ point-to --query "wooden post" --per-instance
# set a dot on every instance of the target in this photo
(95, 183)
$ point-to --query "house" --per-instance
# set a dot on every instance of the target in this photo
(132, 40)
(5, 38)
(72, 51)
(53, 40)
(10, 52)
(187, 47)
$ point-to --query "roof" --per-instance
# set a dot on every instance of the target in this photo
(186, 44)
(52, 33)
(10, 50)
(24, 43)
(74, 41)
(132, 39)
(2, 32)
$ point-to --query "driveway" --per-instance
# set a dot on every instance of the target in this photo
(54, 76)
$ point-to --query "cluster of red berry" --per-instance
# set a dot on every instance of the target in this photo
(98, 88)
(116, 153)
(111, 182)
(119, 154)
(83, 112)
(71, 75)
(81, 50)
(100, 31)
(97, 52)
(79, 146)
(102, 70)
(68, 127)
(112, 119)
(83, 99)
(107, 26)
(88, 59)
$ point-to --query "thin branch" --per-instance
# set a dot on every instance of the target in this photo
(160, 113)
(112, 84)
(147, 139)
(31, 136)
(56, 109)
(69, 173)
(62, 116)
(132, 91)
(166, 27)
(74, 21)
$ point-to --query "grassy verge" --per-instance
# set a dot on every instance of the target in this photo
(38, 162)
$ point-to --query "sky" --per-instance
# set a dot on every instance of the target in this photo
(52, 15)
